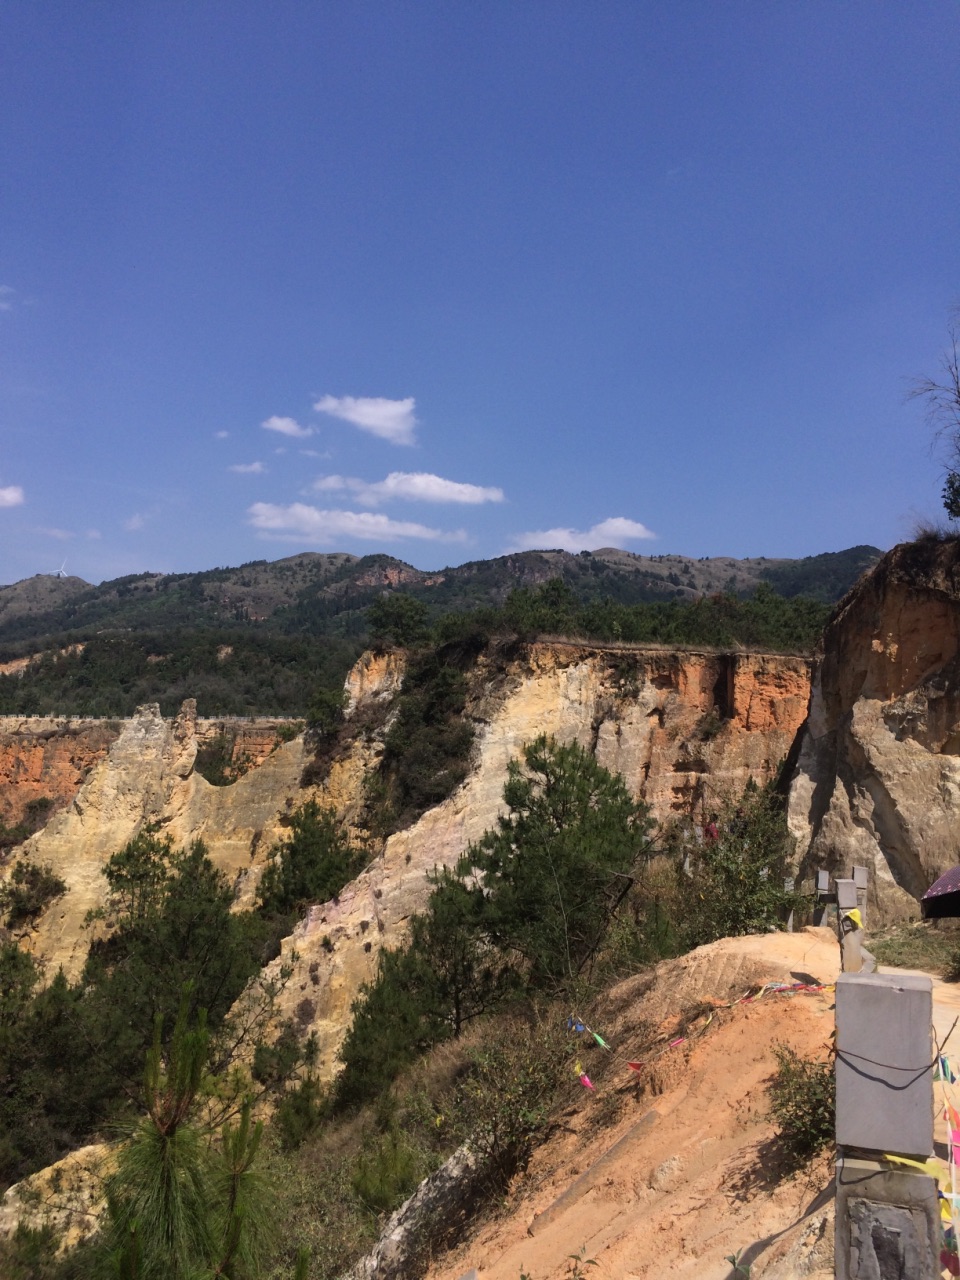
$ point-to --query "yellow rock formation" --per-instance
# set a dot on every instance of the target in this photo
(681, 728)
(878, 779)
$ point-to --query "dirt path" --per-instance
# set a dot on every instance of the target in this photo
(684, 1176)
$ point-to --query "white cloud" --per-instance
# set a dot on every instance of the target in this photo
(248, 468)
(221, 435)
(6, 297)
(63, 535)
(94, 533)
(410, 486)
(287, 427)
(335, 484)
(613, 532)
(305, 522)
(12, 496)
(134, 523)
(391, 420)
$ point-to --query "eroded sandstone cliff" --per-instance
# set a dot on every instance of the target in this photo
(47, 759)
(682, 728)
(148, 775)
(878, 779)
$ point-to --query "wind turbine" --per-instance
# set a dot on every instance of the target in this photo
(61, 572)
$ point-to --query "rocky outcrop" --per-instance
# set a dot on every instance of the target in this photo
(437, 1212)
(682, 728)
(67, 1196)
(878, 778)
(47, 759)
(375, 677)
(146, 776)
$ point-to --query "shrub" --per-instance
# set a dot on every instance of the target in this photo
(325, 713)
(735, 884)
(218, 763)
(287, 732)
(29, 891)
(30, 1253)
(387, 1170)
(802, 1103)
(427, 749)
(318, 1209)
(313, 865)
(300, 1113)
(393, 1022)
(504, 1104)
(35, 816)
(397, 618)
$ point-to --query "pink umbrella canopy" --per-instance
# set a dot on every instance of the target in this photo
(943, 897)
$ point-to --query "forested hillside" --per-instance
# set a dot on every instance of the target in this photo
(267, 638)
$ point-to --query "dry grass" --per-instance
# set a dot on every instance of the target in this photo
(919, 946)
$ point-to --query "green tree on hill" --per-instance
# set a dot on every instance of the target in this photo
(942, 398)
(399, 619)
(526, 909)
(312, 865)
(557, 864)
(185, 1202)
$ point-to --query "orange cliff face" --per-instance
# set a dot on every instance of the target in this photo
(47, 759)
(878, 778)
(684, 729)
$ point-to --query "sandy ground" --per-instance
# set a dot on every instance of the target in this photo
(670, 1173)
(687, 1173)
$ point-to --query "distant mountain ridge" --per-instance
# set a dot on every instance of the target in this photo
(326, 592)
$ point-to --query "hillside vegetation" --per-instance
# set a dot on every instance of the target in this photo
(315, 593)
(174, 643)
(569, 887)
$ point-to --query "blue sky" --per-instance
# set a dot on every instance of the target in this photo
(444, 280)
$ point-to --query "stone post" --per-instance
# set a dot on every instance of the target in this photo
(888, 1221)
(861, 878)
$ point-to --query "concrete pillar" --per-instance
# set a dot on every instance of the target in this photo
(888, 1225)
(861, 878)
(888, 1221)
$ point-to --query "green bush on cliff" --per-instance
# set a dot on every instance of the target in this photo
(558, 863)
(764, 620)
(312, 865)
(526, 910)
(30, 889)
(34, 817)
(802, 1103)
(734, 884)
(427, 748)
(71, 1054)
(424, 992)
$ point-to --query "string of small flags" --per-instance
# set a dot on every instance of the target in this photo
(945, 1075)
(577, 1025)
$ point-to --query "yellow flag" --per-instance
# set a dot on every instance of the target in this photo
(924, 1166)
